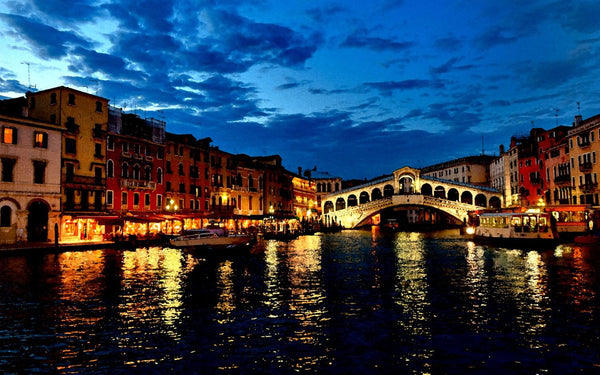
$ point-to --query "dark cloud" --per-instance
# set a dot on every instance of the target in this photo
(449, 66)
(322, 14)
(89, 62)
(581, 16)
(500, 103)
(448, 44)
(360, 39)
(495, 36)
(46, 41)
(386, 88)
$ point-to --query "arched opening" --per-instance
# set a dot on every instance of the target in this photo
(340, 204)
(352, 201)
(426, 189)
(495, 202)
(480, 200)
(37, 222)
(376, 194)
(388, 190)
(440, 192)
(453, 195)
(364, 197)
(5, 217)
(406, 185)
(466, 197)
(328, 207)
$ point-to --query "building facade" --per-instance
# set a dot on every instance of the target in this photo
(30, 156)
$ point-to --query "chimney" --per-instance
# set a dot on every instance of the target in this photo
(578, 121)
(300, 171)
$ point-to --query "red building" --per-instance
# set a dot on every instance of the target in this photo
(135, 186)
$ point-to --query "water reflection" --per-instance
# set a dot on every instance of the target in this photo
(345, 303)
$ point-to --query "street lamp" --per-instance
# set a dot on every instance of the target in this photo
(171, 206)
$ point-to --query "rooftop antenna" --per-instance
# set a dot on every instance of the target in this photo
(28, 72)
(482, 148)
(578, 109)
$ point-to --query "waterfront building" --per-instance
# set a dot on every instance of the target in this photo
(554, 170)
(188, 177)
(304, 196)
(247, 189)
(500, 173)
(83, 118)
(222, 171)
(470, 170)
(325, 184)
(277, 189)
(135, 186)
(30, 162)
(584, 149)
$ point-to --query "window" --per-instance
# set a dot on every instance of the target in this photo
(32, 102)
(109, 197)
(8, 166)
(160, 153)
(72, 99)
(136, 148)
(182, 188)
(124, 199)
(159, 176)
(9, 135)
(125, 170)
(147, 173)
(98, 106)
(70, 172)
(110, 169)
(53, 118)
(147, 200)
(110, 143)
(70, 146)
(40, 139)
(169, 170)
(136, 199)
(39, 171)
(136, 172)
(168, 186)
(98, 150)
(181, 169)
(5, 216)
(53, 98)
(125, 147)
(159, 201)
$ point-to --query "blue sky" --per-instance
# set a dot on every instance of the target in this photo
(356, 88)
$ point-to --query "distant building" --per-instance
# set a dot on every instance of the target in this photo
(584, 150)
(470, 170)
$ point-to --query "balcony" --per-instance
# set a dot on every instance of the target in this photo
(72, 128)
(584, 143)
(562, 179)
(84, 180)
(588, 187)
(585, 166)
(140, 184)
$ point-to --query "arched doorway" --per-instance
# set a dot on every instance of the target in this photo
(37, 222)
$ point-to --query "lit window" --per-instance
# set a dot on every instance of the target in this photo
(40, 140)
(9, 135)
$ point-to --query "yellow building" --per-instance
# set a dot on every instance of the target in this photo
(584, 150)
(30, 155)
(83, 118)
(304, 198)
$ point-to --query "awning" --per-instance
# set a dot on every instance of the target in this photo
(144, 218)
(100, 219)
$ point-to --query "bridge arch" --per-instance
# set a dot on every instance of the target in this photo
(388, 190)
(406, 182)
(328, 207)
(453, 195)
(376, 194)
(480, 200)
(426, 189)
(364, 197)
(495, 202)
(340, 204)
(352, 202)
(466, 197)
(440, 192)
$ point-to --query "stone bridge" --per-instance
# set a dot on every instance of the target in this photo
(406, 188)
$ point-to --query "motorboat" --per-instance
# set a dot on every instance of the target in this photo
(207, 239)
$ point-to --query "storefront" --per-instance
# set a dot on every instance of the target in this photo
(78, 228)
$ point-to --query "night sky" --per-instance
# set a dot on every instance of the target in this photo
(355, 88)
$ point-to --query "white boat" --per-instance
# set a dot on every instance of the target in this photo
(206, 239)
(519, 228)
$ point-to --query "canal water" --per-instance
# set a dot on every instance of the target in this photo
(350, 302)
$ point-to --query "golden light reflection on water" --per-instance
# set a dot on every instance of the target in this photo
(411, 290)
(227, 301)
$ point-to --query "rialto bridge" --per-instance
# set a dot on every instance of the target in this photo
(406, 188)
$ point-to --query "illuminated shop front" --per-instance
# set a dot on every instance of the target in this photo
(87, 228)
